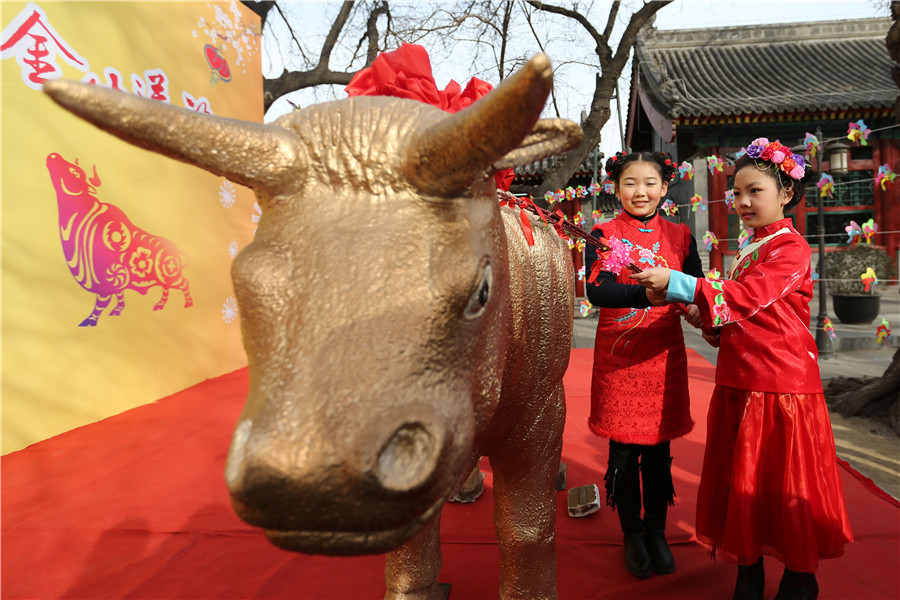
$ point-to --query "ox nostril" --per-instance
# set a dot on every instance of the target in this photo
(234, 467)
(409, 458)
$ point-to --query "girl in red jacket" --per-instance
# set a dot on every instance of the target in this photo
(770, 483)
(639, 387)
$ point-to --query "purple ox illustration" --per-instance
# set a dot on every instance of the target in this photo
(106, 253)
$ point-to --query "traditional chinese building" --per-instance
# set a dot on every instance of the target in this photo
(709, 92)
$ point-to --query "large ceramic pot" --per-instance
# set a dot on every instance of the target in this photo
(856, 309)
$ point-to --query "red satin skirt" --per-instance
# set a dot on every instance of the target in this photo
(770, 483)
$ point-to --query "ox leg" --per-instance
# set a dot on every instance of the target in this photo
(186, 290)
(120, 305)
(525, 504)
(411, 571)
(162, 301)
(100, 305)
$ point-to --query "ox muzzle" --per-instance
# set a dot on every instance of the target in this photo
(365, 487)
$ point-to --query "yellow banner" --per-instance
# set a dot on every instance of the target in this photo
(115, 264)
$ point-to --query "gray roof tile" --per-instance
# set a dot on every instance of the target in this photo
(796, 67)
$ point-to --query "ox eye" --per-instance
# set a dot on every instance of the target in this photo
(479, 298)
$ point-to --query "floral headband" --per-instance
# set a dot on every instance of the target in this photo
(793, 165)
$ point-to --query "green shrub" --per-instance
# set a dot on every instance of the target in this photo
(851, 262)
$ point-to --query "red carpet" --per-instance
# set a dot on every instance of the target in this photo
(135, 506)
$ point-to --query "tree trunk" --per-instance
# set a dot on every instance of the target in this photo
(850, 400)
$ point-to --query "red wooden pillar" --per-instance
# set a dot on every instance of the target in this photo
(718, 214)
(569, 208)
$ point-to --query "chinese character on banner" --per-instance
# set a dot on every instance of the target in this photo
(113, 79)
(31, 39)
(154, 85)
(200, 104)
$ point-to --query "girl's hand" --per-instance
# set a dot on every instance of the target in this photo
(656, 279)
(712, 335)
(656, 297)
(692, 316)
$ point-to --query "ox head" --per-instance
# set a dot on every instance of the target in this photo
(372, 299)
(69, 179)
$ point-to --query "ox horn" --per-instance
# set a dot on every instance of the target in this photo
(448, 154)
(248, 153)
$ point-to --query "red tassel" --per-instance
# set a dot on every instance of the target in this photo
(595, 270)
(526, 227)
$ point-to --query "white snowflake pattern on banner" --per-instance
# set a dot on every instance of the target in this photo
(227, 194)
(257, 213)
(233, 249)
(229, 309)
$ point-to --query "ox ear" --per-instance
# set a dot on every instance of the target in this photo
(549, 137)
(252, 154)
(448, 156)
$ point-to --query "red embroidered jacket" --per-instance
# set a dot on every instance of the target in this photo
(763, 312)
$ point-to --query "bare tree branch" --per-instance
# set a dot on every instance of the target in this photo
(320, 74)
(484, 31)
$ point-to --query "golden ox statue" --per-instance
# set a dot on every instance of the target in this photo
(360, 424)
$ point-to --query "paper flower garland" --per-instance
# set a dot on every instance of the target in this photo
(854, 233)
(579, 218)
(858, 133)
(710, 240)
(869, 279)
(744, 236)
(740, 153)
(812, 144)
(828, 326)
(581, 274)
(729, 198)
(669, 207)
(826, 185)
(618, 257)
(698, 203)
(585, 308)
(686, 171)
(594, 188)
(574, 244)
(869, 228)
(715, 164)
(885, 176)
(883, 332)
(597, 216)
(609, 187)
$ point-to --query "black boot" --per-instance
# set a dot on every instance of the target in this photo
(659, 493)
(623, 493)
(751, 582)
(797, 586)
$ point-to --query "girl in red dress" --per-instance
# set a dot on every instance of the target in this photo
(639, 386)
(770, 483)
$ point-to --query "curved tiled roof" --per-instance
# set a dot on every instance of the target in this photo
(797, 67)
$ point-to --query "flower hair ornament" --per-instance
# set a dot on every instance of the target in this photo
(792, 165)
